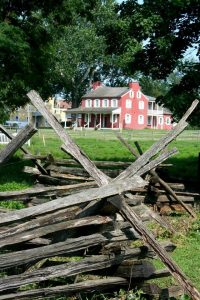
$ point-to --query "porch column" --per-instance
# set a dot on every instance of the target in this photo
(100, 121)
(112, 119)
(88, 120)
(95, 120)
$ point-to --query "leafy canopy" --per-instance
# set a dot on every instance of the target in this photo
(61, 46)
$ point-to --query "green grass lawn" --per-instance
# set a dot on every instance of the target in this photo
(105, 146)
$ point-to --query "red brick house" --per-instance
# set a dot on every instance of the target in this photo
(120, 108)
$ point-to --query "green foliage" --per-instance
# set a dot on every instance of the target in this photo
(61, 46)
(77, 54)
(130, 295)
(12, 204)
(167, 29)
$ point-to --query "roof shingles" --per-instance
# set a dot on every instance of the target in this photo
(105, 91)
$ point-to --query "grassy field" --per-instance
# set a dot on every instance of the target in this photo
(103, 145)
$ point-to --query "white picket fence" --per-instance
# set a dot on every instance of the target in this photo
(5, 140)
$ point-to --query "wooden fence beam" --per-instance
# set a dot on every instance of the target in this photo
(23, 136)
(35, 161)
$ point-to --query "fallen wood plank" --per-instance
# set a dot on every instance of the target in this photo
(79, 171)
(72, 162)
(71, 177)
(167, 199)
(28, 193)
(168, 209)
(67, 290)
(35, 161)
(101, 179)
(72, 200)
(87, 264)
(72, 148)
(158, 146)
(156, 177)
(22, 137)
(51, 180)
(29, 234)
(60, 220)
(132, 217)
(98, 163)
(26, 256)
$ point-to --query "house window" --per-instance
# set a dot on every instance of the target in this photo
(105, 103)
(168, 121)
(68, 116)
(149, 120)
(88, 103)
(114, 103)
(160, 120)
(141, 104)
(140, 119)
(128, 103)
(131, 94)
(138, 94)
(127, 118)
(96, 103)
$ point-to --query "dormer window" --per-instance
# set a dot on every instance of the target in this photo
(96, 103)
(105, 103)
(138, 94)
(88, 103)
(131, 94)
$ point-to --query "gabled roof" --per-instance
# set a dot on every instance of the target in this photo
(105, 91)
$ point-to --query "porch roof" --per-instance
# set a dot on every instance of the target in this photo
(93, 110)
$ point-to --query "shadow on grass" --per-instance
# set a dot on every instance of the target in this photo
(12, 176)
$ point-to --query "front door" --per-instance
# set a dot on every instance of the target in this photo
(105, 121)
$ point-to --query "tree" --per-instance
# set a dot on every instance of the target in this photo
(27, 31)
(76, 56)
(109, 41)
(166, 29)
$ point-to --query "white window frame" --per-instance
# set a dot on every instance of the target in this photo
(160, 120)
(105, 103)
(96, 102)
(128, 103)
(168, 121)
(127, 118)
(131, 94)
(88, 103)
(114, 103)
(138, 94)
(140, 119)
(149, 120)
(141, 104)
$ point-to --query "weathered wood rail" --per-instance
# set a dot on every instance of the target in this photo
(86, 224)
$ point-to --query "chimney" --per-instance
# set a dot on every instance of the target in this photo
(96, 84)
(134, 85)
